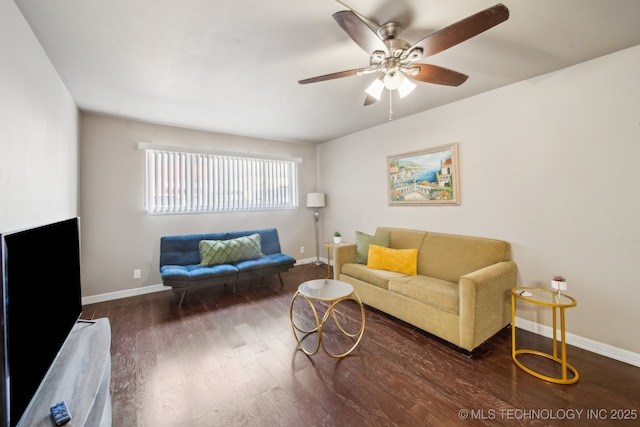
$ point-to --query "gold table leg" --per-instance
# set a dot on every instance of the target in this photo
(562, 360)
(320, 323)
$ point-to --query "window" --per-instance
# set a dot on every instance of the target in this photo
(182, 182)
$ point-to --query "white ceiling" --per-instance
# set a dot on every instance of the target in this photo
(233, 66)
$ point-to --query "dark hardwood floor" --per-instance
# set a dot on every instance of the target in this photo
(232, 360)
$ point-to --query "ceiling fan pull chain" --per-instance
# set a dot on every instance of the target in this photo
(390, 105)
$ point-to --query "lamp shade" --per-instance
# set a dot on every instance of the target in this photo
(406, 87)
(393, 79)
(375, 89)
(315, 200)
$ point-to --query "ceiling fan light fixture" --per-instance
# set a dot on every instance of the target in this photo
(406, 87)
(375, 89)
(393, 79)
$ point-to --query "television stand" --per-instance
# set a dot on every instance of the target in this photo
(80, 376)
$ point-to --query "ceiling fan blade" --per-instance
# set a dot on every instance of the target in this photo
(430, 73)
(360, 32)
(462, 30)
(332, 76)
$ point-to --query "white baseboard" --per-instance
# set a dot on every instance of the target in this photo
(124, 294)
(310, 260)
(606, 350)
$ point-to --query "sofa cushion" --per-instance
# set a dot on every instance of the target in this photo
(189, 273)
(400, 260)
(265, 261)
(449, 257)
(402, 238)
(183, 250)
(437, 293)
(379, 278)
(232, 250)
(363, 240)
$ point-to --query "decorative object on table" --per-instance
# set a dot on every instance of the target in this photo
(428, 177)
(337, 238)
(558, 283)
(316, 200)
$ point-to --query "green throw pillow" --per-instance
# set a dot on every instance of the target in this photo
(363, 241)
(232, 250)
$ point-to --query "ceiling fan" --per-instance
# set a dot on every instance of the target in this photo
(398, 61)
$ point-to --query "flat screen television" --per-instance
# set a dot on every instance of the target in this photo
(41, 302)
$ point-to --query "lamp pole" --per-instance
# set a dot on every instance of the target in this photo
(316, 200)
(316, 215)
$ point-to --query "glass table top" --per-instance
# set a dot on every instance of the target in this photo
(327, 289)
(544, 297)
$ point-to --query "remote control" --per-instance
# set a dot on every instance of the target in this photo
(60, 413)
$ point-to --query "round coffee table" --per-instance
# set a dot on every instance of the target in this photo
(333, 292)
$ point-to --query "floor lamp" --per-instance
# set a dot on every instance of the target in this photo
(316, 200)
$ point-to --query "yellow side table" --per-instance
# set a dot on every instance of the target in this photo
(556, 301)
(329, 246)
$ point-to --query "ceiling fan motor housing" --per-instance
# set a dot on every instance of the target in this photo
(388, 31)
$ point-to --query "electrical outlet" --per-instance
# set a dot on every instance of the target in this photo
(301, 249)
(137, 274)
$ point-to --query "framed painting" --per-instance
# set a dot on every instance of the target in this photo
(428, 177)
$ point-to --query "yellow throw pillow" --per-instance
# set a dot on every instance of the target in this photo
(399, 260)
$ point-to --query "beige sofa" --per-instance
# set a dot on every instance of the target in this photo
(460, 292)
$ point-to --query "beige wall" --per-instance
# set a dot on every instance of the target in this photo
(549, 164)
(118, 236)
(38, 131)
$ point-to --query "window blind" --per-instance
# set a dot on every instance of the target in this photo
(182, 182)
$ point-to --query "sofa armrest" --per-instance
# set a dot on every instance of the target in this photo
(485, 302)
(341, 255)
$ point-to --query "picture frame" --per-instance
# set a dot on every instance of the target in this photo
(427, 177)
